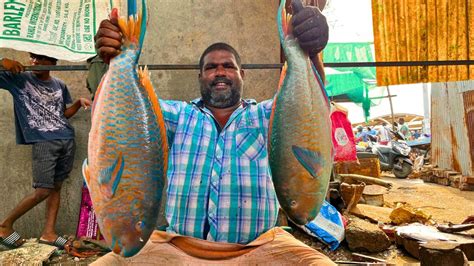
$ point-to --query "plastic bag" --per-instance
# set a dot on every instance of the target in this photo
(87, 226)
(342, 137)
(328, 226)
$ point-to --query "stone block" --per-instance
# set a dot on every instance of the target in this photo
(466, 183)
(454, 180)
(447, 174)
(366, 237)
(468, 179)
(430, 178)
(438, 171)
(443, 181)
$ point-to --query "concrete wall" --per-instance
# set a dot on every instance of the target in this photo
(178, 32)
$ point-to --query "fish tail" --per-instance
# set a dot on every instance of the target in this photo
(144, 76)
(131, 7)
(129, 28)
(134, 27)
(283, 20)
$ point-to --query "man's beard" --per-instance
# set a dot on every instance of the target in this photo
(221, 99)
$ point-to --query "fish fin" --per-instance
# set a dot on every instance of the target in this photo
(85, 172)
(282, 75)
(275, 99)
(97, 93)
(145, 81)
(321, 84)
(310, 160)
(109, 178)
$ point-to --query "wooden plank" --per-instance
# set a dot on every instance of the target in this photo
(350, 178)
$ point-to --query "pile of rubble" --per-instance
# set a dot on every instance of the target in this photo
(383, 230)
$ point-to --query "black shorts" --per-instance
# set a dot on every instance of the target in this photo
(52, 162)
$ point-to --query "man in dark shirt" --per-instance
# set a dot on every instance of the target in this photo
(41, 119)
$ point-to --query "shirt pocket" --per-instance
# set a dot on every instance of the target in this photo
(250, 142)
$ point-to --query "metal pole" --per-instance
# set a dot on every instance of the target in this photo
(426, 110)
(391, 106)
(271, 66)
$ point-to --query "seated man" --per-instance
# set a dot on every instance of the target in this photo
(222, 206)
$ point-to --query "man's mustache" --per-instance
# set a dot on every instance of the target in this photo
(221, 80)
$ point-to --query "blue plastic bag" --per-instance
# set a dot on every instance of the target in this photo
(328, 226)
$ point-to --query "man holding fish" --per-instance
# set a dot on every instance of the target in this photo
(221, 201)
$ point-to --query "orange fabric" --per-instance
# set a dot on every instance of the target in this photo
(203, 249)
(275, 247)
(428, 30)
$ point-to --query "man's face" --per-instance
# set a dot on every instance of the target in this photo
(40, 60)
(221, 79)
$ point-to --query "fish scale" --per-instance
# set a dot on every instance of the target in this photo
(127, 151)
(300, 147)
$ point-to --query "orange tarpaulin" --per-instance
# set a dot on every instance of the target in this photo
(423, 30)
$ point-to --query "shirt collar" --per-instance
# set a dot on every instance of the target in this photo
(200, 104)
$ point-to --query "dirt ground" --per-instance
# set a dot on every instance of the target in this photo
(444, 204)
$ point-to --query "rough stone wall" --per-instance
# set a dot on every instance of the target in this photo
(178, 32)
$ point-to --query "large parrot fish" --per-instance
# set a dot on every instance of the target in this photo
(300, 145)
(128, 151)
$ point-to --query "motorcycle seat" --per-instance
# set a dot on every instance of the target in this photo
(384, 148)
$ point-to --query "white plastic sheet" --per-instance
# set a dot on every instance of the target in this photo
(63, 29)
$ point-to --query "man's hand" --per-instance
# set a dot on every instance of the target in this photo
(12, 65)
(310, 27)
(85, 103)
(108, 38)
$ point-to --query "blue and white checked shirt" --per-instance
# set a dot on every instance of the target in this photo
(219, 181)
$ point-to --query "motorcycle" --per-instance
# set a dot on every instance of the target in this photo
(393, 157)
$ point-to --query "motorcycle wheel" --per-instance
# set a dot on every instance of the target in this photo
(404, 172)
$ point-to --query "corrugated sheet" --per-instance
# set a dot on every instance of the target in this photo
(450, 141)
(423, 30)
(469, 112)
